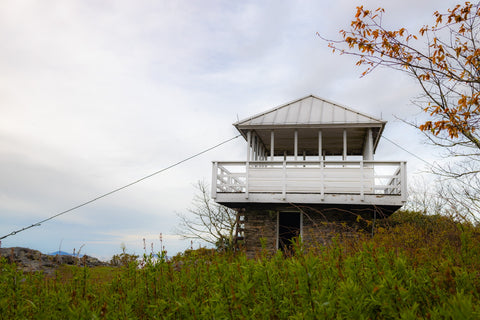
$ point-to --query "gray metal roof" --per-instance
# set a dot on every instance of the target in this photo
(307, 115)
(310, 111)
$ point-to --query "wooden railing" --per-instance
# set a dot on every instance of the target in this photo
(310, 177)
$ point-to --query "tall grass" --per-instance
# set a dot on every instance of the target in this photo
(406, 271)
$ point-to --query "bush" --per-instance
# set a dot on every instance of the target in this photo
(407, 270)
(123, 259)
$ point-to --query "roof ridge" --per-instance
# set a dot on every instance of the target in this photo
(273, 109)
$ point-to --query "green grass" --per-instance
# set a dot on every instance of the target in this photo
(407, 271)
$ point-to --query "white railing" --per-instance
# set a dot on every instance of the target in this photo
(312, 177)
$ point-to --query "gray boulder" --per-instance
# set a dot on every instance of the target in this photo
(29, 260)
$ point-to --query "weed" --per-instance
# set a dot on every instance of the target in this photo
(411, 269)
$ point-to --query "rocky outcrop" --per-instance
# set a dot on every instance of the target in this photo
(29, 260)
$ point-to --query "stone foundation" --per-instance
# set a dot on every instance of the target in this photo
(260, 231)
(319, 227)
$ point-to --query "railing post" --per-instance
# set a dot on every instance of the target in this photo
(247, 166)
(403, 176)
(362, 193)
(322, 180)
(284, 191)
(214, 180)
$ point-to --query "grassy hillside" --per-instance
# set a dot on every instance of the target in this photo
(414, 267)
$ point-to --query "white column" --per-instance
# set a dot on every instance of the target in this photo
(320, 145)
(214, 179)
(344, 157)
(255, 146)
(284, 182)
(260, 149)
(403, 175)
(369, 146)
(295, 144)
(272, 145)
(249, 144)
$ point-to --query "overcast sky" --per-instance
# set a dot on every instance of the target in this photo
(96, 94)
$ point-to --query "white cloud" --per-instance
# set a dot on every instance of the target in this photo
(94, 95)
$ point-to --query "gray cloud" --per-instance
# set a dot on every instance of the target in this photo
(96, 94)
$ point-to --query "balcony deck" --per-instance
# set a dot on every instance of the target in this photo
(380, 183)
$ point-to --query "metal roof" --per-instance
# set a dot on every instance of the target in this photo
(310, 111)
(307, 115)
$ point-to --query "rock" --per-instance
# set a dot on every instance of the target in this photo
(29, 260)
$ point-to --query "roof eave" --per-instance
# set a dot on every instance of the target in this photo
(319, 126)
(377, 140)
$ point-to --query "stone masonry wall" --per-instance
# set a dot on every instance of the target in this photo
(260, 231)
(319, 227)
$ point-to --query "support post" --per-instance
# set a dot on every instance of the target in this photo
(247, 166)
(249, 144)
(295, 144)
(284, 190)
(255, 147)
(301, 225)
(272, 145)
(277, 240)
(320, 145)
(368, 148)
(214, 179)
(344, 156)
(403, 176)
(322, 180)
(370, 144)
(362, 191)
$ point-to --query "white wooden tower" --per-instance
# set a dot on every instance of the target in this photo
(310, 152)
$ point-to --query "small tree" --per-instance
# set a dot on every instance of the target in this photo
(443, 58)
(454, 198)
(423, 197)
(124, 258)
(209, 221)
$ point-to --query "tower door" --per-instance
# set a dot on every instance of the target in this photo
(289, 228)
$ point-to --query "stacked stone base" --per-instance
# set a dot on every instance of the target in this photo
(320, 226)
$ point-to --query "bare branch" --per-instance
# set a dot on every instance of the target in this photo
(208, 221)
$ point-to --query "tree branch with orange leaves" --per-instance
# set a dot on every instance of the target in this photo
(444, 58)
